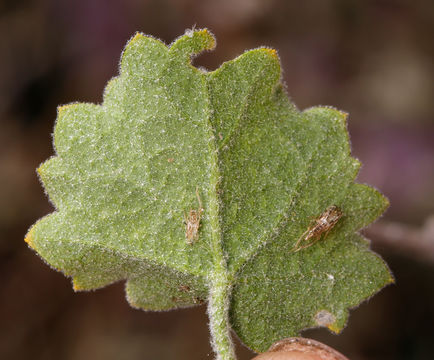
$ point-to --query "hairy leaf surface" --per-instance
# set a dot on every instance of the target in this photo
(172, 143)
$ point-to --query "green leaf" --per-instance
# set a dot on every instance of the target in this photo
(195, 186)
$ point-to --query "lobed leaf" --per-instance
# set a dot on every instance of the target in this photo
(169, 140)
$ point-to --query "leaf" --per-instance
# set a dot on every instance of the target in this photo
(228, 154)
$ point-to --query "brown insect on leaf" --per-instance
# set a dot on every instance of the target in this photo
(192, 222)
(319, 226)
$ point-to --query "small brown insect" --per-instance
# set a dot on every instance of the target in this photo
(192, 222)
(319, 226)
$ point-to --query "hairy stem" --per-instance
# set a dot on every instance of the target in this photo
(218, 312)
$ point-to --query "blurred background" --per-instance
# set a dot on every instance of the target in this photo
(373, 59)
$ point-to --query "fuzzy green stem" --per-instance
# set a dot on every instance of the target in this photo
(218, 312)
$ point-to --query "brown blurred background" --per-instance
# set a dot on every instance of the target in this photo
(373, 59)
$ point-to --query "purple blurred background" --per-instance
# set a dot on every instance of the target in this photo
(373, 59)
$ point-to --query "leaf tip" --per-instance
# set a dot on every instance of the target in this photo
(208, 39)
(39, 170)
(132, 303)
(137, 36)
(42, 171)
(271, 52)
(335, 328)
(391, 279)
(76, 285)
(29, 239)
(386, 202)
(193, 42)
(327, 319)
(62, 108)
